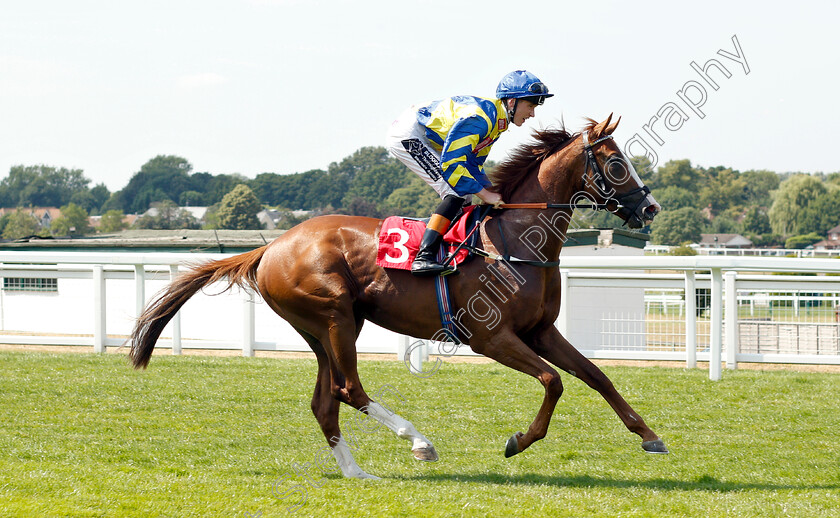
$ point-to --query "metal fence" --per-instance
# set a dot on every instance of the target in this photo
(701, 308)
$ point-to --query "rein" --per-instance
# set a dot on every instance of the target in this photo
(598, 176)
(592, 163)
(600, 181)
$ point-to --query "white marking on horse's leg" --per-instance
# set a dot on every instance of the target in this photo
(345, 460)
(403, 428)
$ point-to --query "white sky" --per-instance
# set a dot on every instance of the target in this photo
(285, 86)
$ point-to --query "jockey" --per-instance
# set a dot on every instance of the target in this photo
(446, 143)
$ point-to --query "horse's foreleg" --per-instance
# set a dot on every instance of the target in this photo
(554, 347)
(507, 349)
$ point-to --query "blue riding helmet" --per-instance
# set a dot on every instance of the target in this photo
(522, 84)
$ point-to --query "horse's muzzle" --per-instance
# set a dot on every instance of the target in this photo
(644, 213)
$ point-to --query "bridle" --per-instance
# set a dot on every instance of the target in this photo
(600, 180)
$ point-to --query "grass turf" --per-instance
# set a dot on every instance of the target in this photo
(85, 435)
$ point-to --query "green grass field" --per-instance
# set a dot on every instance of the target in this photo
(85, 435)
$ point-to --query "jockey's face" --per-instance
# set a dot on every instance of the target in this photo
(524, 111)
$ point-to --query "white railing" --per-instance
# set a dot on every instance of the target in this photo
(757, 252)
(101, 293)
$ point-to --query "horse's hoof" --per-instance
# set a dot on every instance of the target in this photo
(512, 445)
(655, 446)
(426, 454)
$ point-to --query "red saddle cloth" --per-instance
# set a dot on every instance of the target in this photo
(399, 240)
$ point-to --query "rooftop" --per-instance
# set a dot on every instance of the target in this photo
(207, 241)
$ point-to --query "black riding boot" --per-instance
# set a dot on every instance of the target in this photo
(426, 264)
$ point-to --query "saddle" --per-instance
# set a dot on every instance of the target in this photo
(399, 239)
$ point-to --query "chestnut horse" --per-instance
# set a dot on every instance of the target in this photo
(321, 276)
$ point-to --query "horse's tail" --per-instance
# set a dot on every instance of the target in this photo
(240, 270)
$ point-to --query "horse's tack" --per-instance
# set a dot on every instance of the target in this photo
(321, 277)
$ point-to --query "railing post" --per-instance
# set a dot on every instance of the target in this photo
(716, 325)
(563, 316)
(176, 320)
(731, 320)
(139, 289)
(402, 346)
(248, 323)
(690, 320)
(99, 332)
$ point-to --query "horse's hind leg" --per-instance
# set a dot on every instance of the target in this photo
(421, 447)
(326, 408)
(354, 395)
(554, 347)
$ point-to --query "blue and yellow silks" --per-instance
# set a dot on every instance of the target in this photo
(462, 129)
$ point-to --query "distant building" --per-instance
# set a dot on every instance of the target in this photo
(128, 220)
(833, 241)
(44, 215)
(269, 218)
(724, 241)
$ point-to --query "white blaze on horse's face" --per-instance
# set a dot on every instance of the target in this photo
(652, 207)
(621, 173)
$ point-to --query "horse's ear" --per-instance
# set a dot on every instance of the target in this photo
(600, 128)
(612, 127)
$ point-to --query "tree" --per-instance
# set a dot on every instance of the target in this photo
(822, 213)
(164, 177)
(802, 241)
(372, 175)
(191, 199)
(312, 190)
(677, 227)
(41, 185)
(724, 224)
(414, 199)
(759, 185)
(377, 183)
(167, 216)
(215, 187)
(793, 196)
(362, 160)
(73, 220)
(673, 197)
(112, 221)
(679, 173)
(683, 250)
(239, 208)
(362, 207)
(756, 221)
(724, 189)
(21, 223)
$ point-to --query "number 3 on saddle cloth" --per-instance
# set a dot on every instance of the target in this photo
(399, 239)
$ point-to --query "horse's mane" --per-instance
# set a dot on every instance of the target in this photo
(527, 157)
